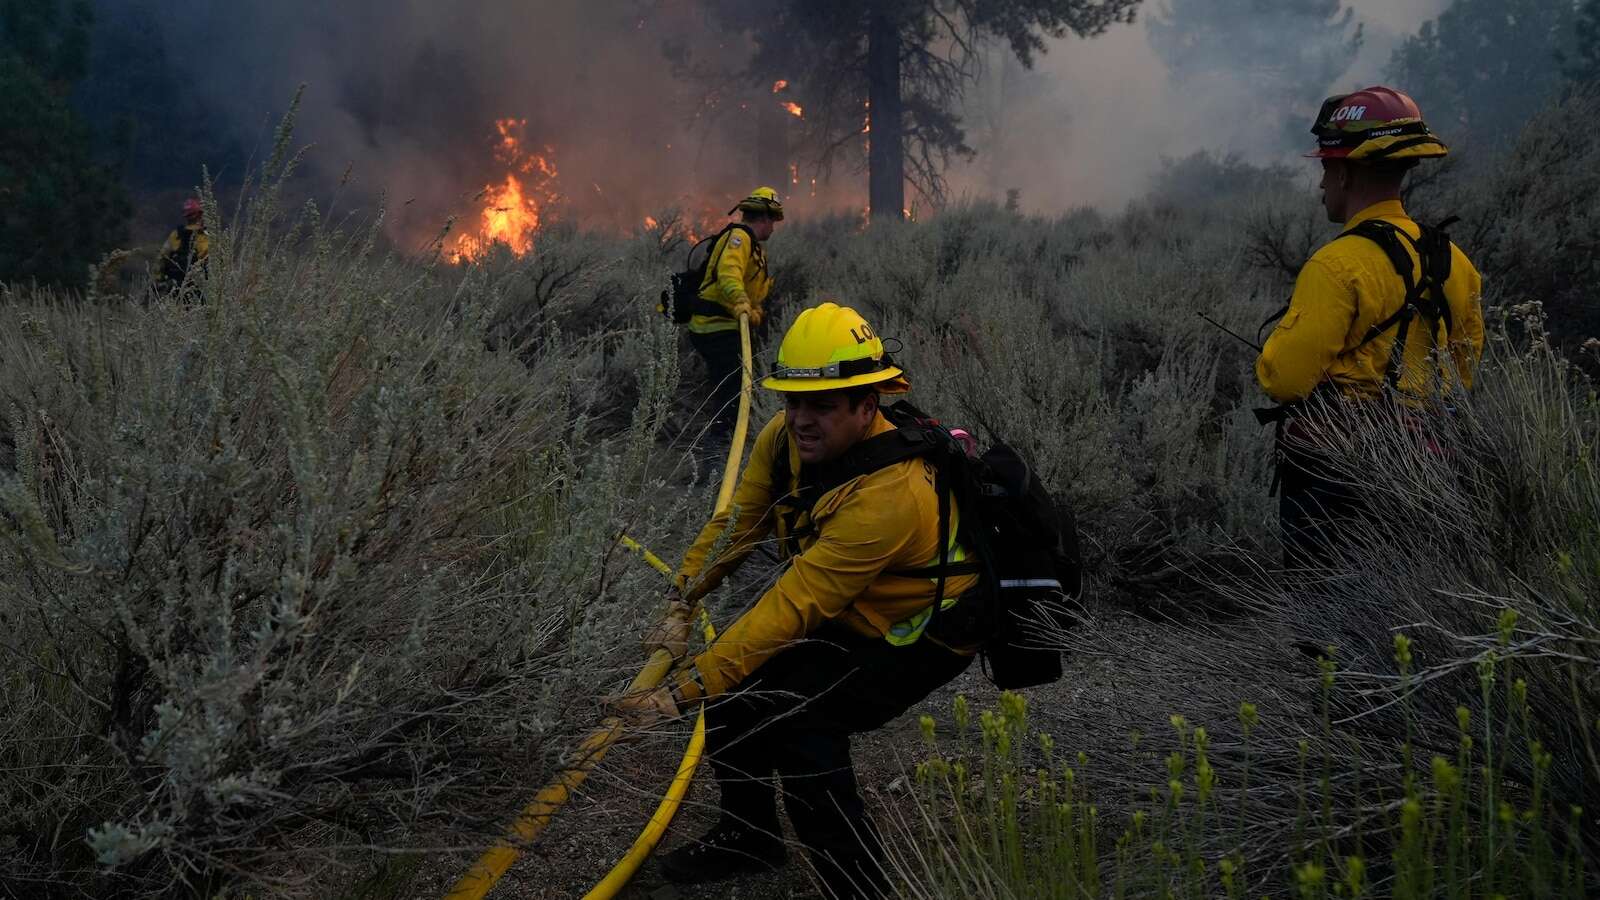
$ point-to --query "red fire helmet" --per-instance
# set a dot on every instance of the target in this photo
(1375, 123)
(192, 209)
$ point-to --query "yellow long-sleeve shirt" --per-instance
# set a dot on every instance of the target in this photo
(175, 259)
(853, 537)
(1348, 286)
(740, 274)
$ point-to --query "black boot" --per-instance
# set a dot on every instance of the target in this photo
(725, 851)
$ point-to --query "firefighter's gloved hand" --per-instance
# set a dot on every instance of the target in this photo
(641, 709)
(743, 308)
(672, 632)
(756, 318)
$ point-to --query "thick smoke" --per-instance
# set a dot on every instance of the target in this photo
(404, 94)
(1095, 119)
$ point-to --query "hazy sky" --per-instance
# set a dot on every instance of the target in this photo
(1105, 113)
(405, 94)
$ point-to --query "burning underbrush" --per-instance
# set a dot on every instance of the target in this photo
(515, 207)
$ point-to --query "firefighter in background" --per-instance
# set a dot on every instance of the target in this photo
(1389, 312)
(843, 642)
(186, 247)
(736, 283)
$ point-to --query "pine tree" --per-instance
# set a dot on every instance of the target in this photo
(882, 80)
(1484, 66)
(60, 209)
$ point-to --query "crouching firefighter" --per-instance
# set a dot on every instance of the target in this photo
(1389, 312)
(878, 605)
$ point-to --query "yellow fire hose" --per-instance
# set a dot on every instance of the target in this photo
(494, 863)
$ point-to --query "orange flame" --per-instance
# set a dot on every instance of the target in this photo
(513, 209)
(793, 108)
(779, 85)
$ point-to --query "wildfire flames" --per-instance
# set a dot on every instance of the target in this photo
(514, 208)
(793, 108)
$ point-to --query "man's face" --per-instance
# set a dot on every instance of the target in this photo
(1334, 184)
(763, 226)
(822, 424)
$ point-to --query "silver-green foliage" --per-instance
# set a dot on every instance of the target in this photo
(293, 567)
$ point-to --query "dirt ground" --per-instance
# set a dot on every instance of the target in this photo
(598, 827)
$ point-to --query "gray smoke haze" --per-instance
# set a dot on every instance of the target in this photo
(1092, 123)
(406, 93)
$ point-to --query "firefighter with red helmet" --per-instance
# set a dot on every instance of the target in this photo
(186, 248)
(1389, 311)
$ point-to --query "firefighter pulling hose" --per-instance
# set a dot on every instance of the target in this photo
(905, 557)
(908, 555)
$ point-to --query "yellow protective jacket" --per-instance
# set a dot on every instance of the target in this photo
(874, 524)
(740, 273)
(175, 260)
(1347, 287)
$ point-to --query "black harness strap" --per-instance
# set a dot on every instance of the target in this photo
(909, 439)
(702, 306)
(1424, 295)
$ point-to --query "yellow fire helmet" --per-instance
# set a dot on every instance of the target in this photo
(761, 200)
(830, 347)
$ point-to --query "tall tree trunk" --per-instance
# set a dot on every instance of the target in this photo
(772, 144)
(886, 158)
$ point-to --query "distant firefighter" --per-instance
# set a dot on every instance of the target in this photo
(735, 283)
(1384, 319)
(187, 246)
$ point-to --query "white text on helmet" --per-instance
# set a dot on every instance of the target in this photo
(1348, 114)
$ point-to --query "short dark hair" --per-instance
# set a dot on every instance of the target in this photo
(750, 215)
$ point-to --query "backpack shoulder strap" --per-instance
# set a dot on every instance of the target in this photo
(722, 245)
(1424, 288)
(1388, 238)
(870, 455)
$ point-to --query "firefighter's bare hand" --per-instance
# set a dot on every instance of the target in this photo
(641, 709)
(672, 632)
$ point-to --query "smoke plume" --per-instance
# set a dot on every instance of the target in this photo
(405, 96)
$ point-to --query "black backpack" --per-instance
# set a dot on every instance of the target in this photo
(681, 300)
(1025, 543)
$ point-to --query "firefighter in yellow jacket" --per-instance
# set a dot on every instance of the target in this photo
(187, 246)
(842, 643)
(1388, 312)
(736, 282)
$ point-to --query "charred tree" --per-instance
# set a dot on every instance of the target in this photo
(881, 81)
(886, 159)
(772, 143)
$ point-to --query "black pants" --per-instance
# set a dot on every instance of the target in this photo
(794, 716)
(1317, 506)
(720, 350)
